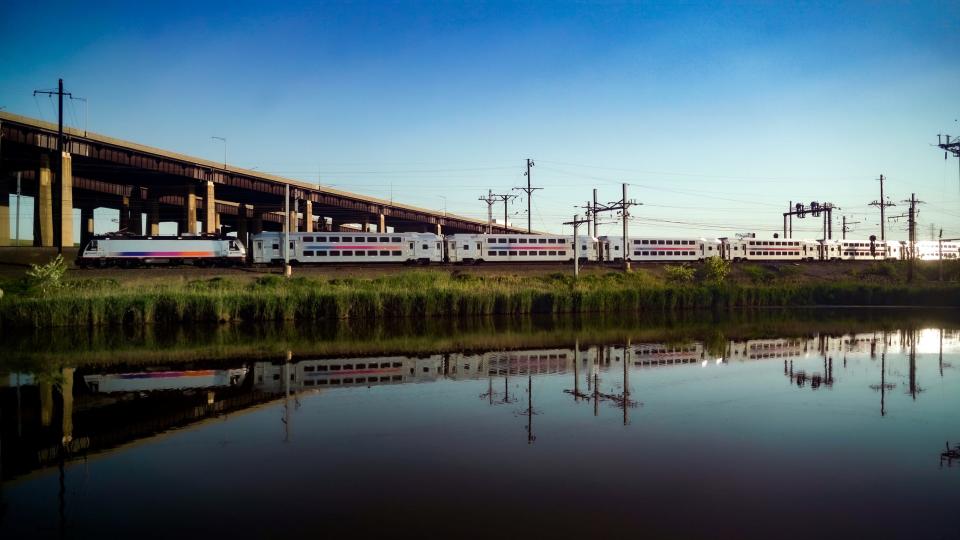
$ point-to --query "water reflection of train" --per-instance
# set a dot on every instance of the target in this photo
(269, 376)
(148, 381)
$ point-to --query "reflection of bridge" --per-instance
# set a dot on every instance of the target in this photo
(199, 195)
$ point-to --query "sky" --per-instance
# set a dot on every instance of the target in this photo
(716, 115)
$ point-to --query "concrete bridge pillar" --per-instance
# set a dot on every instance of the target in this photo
(382, 223)
(211, 221)
(307, 217)
(135, 221)
(242, 234)
(43, 205)
(124, 223)
(292, 218)
(153, 217)
(86, 224)
(189, 220)
(63, 206)
(256, 223)
(439, 229)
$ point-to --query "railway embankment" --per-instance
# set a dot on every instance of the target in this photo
(46, 297)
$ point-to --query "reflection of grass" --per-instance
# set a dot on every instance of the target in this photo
(423, 294)
(152, 344)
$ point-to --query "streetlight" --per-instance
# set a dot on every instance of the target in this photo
(444, 205)
(224, 140)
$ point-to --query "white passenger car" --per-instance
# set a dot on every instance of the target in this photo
(858, 250)
(348, 247)
(465, 248)
(659, 248)
(930, 250)
(133, 251)
(772, 249)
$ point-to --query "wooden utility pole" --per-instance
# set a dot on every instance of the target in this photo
(505, 198)
(912, 228)
(58, 162)
(490, 200)
(846, 227)
(882, 203)
(623, 205)
(576, 243)
(529, 191)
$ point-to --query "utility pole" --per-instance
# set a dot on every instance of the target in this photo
(18, 209)
(505, 198)
(490, 200)
(593, 212)
(623, 205)
(912, 227)
(287, 271)
(950, 146)
(58, 162)
(529, 191)
(846, 226)
(883, 204)
(576, 243)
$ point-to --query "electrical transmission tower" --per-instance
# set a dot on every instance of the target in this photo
(911, 216)
(576, 242)
(529, 191)
(882, 203)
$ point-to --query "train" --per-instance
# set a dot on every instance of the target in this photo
(352, 248)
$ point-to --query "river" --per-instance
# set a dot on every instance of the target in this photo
(809, 423)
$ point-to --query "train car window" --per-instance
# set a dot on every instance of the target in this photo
(523, 240)
(541, 240)
(710, 248)
(583, 247)
(396, 253)
(491, 254)
(384, 238)
(425, 246)
(638, 253)
(276, 246)
(660, 242)
(334, 253)
(335, 368)
(396, 240)
(562, 253)
(348, 253)
(321, 254)
(321, 368)
(512, 241)
(553, 253)
(334, 238)
(372, 253)
(551, 240)
(384, 253)
(543, 253)
(411, 245)
(669, 242)
(308, 254)
(347, 239)
(308, 239)
(513, 253)
(321, 239)
(308, 368)
(478, 246)
(359, 253)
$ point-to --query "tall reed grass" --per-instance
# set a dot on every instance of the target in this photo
(424, 294)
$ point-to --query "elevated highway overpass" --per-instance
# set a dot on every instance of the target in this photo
(199, 195)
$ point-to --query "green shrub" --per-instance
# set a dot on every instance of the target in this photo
(47, 277)
(716, 269)
(679, 274)
(758, 274)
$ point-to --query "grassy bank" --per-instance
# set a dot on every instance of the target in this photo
(425, 294)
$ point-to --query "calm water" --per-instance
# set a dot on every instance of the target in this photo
(816, 425)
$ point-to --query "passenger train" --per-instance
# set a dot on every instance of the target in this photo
(426, 248)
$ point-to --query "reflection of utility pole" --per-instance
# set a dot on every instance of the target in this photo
(913, 364)
(286, 397)
(530, 435)
(941, 352)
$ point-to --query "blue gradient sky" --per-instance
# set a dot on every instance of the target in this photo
(717, 115)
